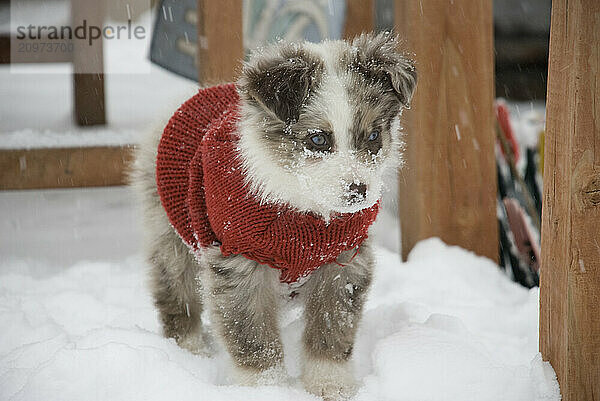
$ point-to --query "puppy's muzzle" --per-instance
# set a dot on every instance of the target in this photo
(356, 193)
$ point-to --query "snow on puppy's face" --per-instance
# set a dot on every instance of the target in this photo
(320, 122)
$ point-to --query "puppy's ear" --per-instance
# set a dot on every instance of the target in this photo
(377, 58)
(280, 80)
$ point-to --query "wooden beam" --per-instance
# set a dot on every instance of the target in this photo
(63, 167)
(360, 17)
(88, 66)
(89, 99)
(448, 185)
(220, 41)
(570, 268)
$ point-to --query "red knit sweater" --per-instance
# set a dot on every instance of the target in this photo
(200, 181)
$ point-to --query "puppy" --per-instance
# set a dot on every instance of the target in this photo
(275, 179)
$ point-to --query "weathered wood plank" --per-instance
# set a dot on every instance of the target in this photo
(220, 41)
(88, 66)
(89, 99)
(360, 17)
(448, 185)
(63, 167)
(570, 268)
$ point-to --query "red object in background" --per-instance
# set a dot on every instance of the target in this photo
(503, 118)
(524, 240)
(201, 185)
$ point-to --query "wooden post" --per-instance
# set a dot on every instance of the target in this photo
(360, 17)
(570, 268)
(448, 184)
(88, 66)
(220, 41)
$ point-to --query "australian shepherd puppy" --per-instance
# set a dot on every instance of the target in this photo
(309, 131)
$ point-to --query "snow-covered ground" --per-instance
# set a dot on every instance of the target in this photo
(78, 322)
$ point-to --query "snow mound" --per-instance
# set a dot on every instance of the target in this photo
(446, 325)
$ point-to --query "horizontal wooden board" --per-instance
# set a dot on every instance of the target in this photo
(63, 167)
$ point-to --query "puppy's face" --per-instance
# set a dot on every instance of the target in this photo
(320, 122)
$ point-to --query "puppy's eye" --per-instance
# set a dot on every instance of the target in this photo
(319, 139)
(374, 135)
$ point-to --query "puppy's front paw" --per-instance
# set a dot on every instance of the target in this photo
(333, 381)
(273, 376)
(196, 343)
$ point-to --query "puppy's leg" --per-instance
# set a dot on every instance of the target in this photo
(243, 302)
(176, 291)
(173, 269)
(334, 300)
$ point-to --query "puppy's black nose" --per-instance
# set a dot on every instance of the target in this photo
(358, 190)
